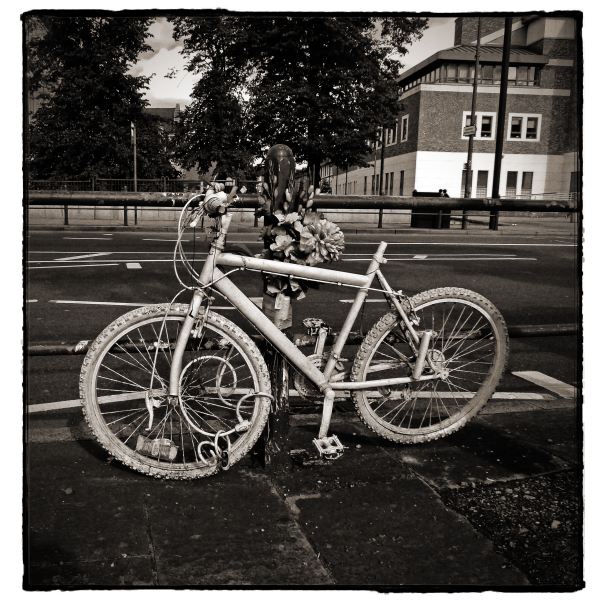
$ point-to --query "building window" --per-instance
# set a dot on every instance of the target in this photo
(365, 186)
(387, 183)
(391, 190)
(391, 134)
(404, 128)
(524, 127)
(526, 183)
(511, 184)
(482, 182)
(401, 191)
(485, 122)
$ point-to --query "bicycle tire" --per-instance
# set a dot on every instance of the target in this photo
(134, 369)
(423, 398)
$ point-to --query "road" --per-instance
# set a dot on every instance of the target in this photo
(79, 281)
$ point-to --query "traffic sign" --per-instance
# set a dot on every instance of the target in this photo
(469, 130)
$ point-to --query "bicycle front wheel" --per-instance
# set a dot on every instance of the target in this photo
(470, 345)
(224, 393)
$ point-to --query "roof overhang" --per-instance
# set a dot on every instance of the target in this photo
(488, 54)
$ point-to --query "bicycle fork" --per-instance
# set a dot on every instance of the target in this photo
(180, 345)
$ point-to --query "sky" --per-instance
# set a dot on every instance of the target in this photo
(166, 58)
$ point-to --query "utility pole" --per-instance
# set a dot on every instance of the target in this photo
(469, 173)
(501, 118)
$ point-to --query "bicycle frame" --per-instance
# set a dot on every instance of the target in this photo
(212, 276)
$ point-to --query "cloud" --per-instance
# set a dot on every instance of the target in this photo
(164, 91)
(438, 36)
(161, 37)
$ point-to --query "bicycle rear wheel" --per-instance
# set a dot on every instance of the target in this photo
(224, 390)
(471, 344)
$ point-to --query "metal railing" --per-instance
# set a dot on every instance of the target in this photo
(436, 210)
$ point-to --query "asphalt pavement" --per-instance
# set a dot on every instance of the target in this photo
(496, 505)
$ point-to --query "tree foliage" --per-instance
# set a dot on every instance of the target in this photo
(78, 67)
(320, 84)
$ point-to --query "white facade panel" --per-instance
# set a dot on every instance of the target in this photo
(393, 164)
(443, 170)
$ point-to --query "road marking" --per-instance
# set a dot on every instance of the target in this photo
(100, 303)
(75, 266)
(48, 406)
(30, 300)
(470, 244)
(256, 300)
(431, 258)
(67, 258)
(413, 255)
(564, 390)
(66, 404)
(162, 240)
(84, 238)
(135, 265)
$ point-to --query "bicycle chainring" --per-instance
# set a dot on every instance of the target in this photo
(305, 388)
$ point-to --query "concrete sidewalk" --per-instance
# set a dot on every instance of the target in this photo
(382, 515)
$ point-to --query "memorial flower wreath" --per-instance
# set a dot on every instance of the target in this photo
(304, 239)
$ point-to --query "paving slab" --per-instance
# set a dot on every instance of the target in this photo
(230, 530)
(374, 523)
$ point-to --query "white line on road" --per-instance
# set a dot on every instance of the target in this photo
(421, 256)
(69, 258)
(100, 303)
(430, 258)
(350, 300)
(564, 390)
(75, 266)
(65, 404)
(133, 265)
(163, 240)
(470, 244)
(256, 300)
(30, 300)
(84, 238)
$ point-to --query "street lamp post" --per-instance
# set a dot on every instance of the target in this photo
(469, 172)
(501, 118)
(134, 146)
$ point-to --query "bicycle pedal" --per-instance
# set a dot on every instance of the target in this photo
(329, 447)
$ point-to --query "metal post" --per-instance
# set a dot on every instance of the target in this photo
(134, 144)
(66, 211)
(501, 118)
(469, 174)
(125, 214)
(382, 160)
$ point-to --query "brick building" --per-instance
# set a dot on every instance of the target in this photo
(426, 149)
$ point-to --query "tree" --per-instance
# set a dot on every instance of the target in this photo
(321, 85)
(78, 67)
